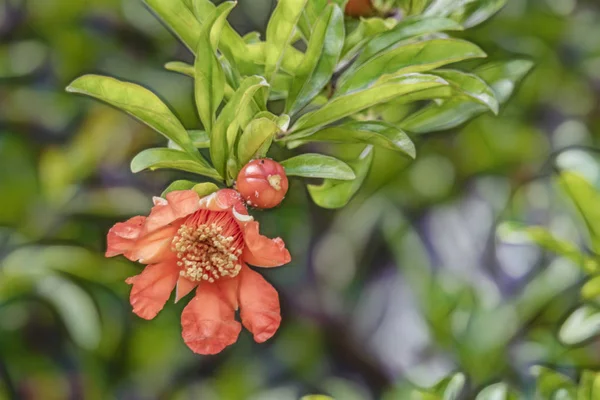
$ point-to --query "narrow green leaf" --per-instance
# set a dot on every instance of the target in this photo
(548, 382)
(138, 102)
(203, 189)
(235, 115)
(209, 85)
(413, 57)
(482, 11)
(289, 63)
(502, 77)
(497, 391)
(406, 29)
(591, 290)
(319, 61)
(251, 37)
(200, 140)
(318, 166)
(178, 185)
(161, 158)
(336, 193)
(583, 324)
(231, 43)
(515, 233)
(181, 67)
(316, 397)
(367, 132)
(471, 86)
(178, 17)
(586, 198)
(352, 103)
(256, 139)
(357, 39)
(280, 31)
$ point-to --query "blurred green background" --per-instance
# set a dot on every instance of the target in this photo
(406, 285)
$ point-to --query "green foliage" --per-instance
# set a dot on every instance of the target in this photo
(379, 60)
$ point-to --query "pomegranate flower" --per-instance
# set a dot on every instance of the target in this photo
(205, 244)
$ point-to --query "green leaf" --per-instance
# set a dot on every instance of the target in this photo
(482, 11)
(549, 382)
(357, 39)
(450, 388)
(586, 198)
(289, 63)
(319, 61)
(205, 188)
(316, 397)
(583, 324)
(413, 57)
(502, 77)
(200, 140)
(591, 289)
(161, 158)
(256, 139)
(497, 391)
(178, 185)
(589, 386)
(76, 309)
(408, 28)
(366, 132)
(210, 79)
(318, 166)
(232, 45)
(181, 67)
(235, 115)
(472, 86)
(352, 103)
(138, 102)
(280, 31)
(178, 17)
(515, 233)
(336, 193)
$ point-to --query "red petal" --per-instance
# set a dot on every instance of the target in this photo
(122, 236)
(208, 324)
(154, 247)
(229, 290)
(262, 251)
(152, 288)
(259, 305)
(178, 205)
(184, 286)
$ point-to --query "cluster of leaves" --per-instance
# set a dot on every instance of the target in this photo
(549, 384)
(579, 187)
(338, 90)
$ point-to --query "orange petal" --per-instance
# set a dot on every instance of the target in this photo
(207, 322)
(121, 237)
(262, 251)
(184, 286)
(178, 204)
(152, 288)
(154, 247)
(229, 290)
(259, 305)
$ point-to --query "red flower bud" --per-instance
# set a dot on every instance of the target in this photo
(262, 183)
(359, 8)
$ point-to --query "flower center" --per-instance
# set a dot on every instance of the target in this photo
(209, 246)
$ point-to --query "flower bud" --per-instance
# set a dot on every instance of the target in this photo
(359, 8)
(262, 183)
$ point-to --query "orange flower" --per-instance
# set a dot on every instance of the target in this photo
(205, 243)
